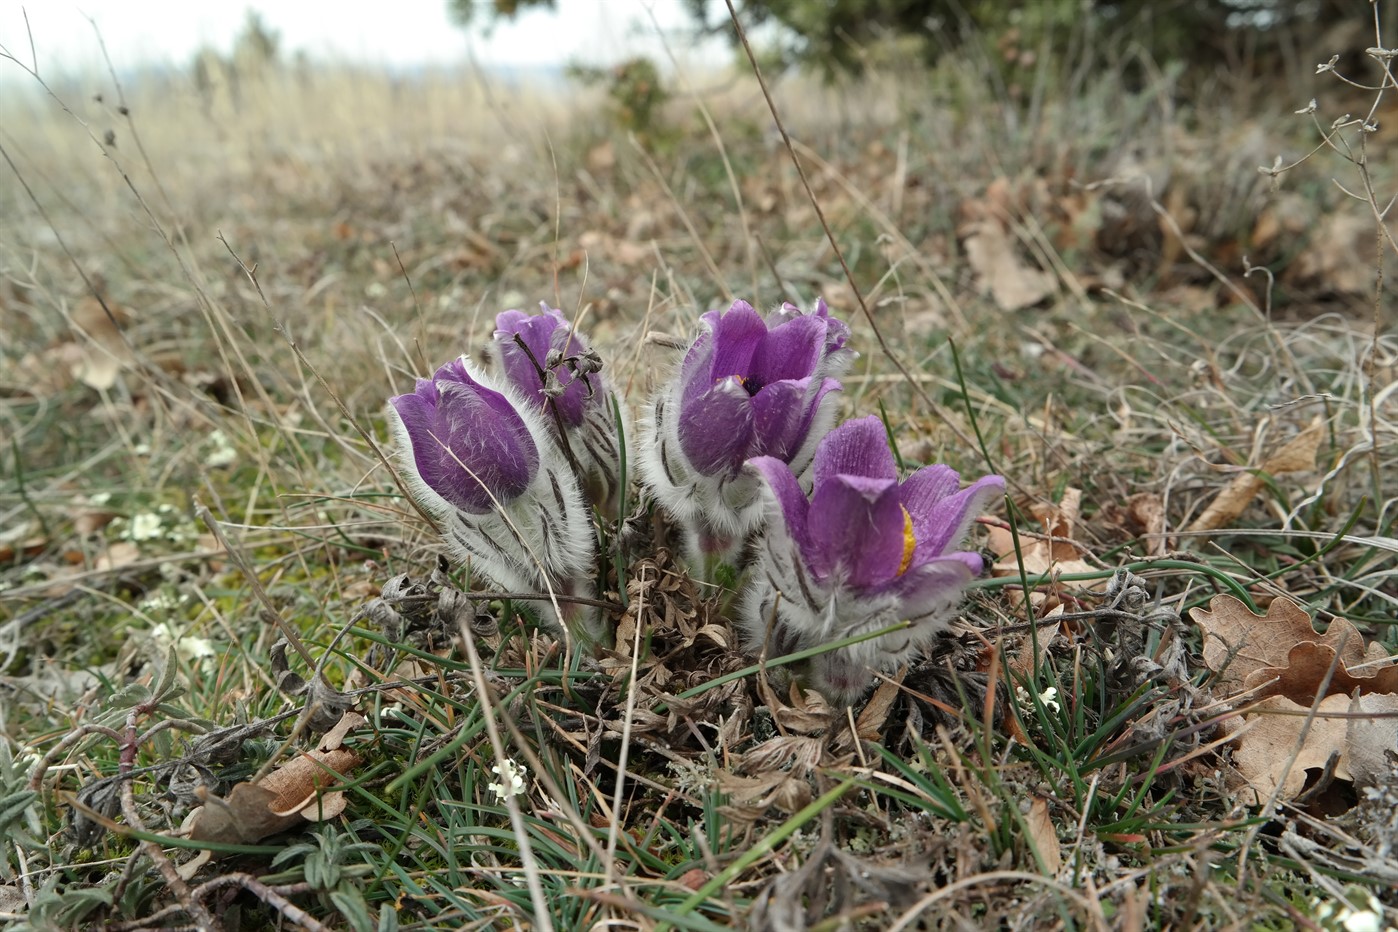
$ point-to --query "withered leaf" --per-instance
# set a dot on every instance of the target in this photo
(294, 793)
(103, 350)
(991, 251)
(1044, 835)
(1053, 555)
(1238, 643)
(1308, 665)
(1296, 455)
(1371, 741)
(1268, 740)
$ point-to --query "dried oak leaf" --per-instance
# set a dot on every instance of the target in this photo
(294, 793)
(1371, 743)
(102, 350)
(620, 251)
(1338, 259)
(752, 796)
(1307, 668)
(1267, 741)
(1026, 660)
(1238, 643)
(1142, 515)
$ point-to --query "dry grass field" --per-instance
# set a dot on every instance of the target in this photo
(1074, 276)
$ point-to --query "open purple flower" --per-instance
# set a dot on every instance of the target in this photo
(861, 553)
(544, 358)
(487, 470)
(748, 387)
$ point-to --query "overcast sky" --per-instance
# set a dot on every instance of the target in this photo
(402, 33)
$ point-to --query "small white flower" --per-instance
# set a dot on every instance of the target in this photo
(223, 453)
(99, 498)
(511, 777)
(144, 526)
(188, 649)
(161, 601)
(1345, 917)
(1048, 698)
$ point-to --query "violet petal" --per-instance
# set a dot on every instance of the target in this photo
(935, 588)
(458, 427)
(736, 337)
(946, 523)
(858, 447)
(857, 523)
(787, 493)
(542, 333)
(716, 428)
(790, 351)
(781, 417)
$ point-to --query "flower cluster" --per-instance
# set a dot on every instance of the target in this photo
(814, 525)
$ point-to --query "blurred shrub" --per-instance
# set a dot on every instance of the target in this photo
(634, 88)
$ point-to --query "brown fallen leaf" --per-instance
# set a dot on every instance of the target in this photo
(1026, 660)
(1044, 835)
(1371, 741)
(1339, 256)
(103, 350)
(1011, 282)
(1268, 740)
(1238, 643)
(1307, 668)
(871, 720)
(245, 816)
(296, 792)
(1054, 555)
(623, 252)
(116, 555)
(22, 541)
(1296, 455)
(89, 519)
(1142, 515)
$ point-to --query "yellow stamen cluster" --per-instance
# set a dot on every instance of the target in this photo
(909, 542)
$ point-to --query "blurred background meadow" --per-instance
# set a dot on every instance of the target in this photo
(1135, 257)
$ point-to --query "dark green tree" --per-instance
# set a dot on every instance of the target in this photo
(486, 12)
(845, 35)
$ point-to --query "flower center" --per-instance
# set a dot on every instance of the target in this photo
(909, 542)
(751, 385)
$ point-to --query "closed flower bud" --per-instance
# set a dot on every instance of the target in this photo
(551, 365)
(485, 467)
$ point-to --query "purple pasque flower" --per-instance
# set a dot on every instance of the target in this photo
(862, 552)
(487, 470)
(543, 358)
(749, 386)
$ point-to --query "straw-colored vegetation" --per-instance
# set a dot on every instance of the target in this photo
(1075, 276)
